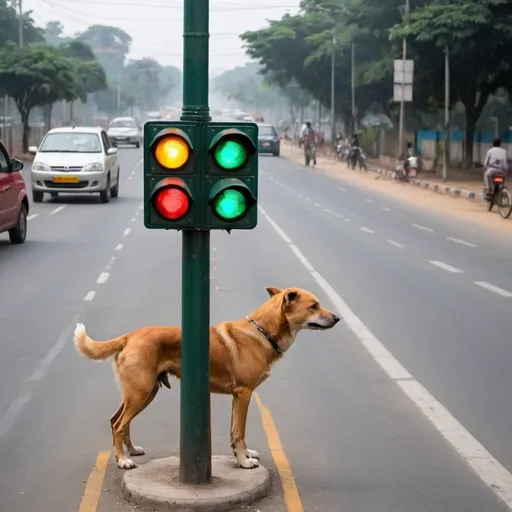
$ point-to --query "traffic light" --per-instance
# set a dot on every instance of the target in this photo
(170, 183)
(231, 180)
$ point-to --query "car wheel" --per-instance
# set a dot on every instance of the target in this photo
(18, 233)
(105, 194)
(37, 196)
(137, 144)
(276, 154)
(114, 192)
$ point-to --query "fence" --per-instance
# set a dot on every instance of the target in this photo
(12, 136)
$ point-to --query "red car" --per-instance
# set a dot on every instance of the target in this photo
(13, 198)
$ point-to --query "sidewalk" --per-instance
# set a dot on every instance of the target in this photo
(461, 187)
(467, 188)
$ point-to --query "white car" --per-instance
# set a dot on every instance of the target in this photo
(77, 160)
(125, 130)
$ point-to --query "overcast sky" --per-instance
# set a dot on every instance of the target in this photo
(156, 25)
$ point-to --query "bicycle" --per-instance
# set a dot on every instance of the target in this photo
(500, 197)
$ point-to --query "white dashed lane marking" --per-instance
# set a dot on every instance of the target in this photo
(445, 266)
(368, 230)
(33, 216)
(58, 209)
(126, 232)
(495, 289)
(369, 201)
(396, 244)
(90, 295)
(103, 278)
(119, 247)
(386, 209)
(423, 228)
(461, 242)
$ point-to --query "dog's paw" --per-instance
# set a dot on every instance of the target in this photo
(136, 451)
(252, 454)
(126, 464)
(249, 463)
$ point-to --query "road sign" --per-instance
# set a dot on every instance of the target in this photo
(404, 91)
(403, 71)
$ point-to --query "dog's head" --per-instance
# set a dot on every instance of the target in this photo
(303, 310)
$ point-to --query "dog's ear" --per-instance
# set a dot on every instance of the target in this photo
(272, 290)
(290, 297)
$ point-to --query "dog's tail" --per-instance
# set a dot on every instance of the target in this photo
(97, 350)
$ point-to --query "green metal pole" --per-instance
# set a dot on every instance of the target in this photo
(195, 428)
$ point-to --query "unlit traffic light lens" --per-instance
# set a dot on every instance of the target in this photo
(230, 204)
(172, 203)
(230, 154)
(172, 152)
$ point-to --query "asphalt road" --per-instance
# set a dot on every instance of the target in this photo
(354, 440)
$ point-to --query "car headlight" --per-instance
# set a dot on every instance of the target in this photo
(95, 167)
(39, 166)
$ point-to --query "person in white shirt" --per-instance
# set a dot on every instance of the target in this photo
(495, 163)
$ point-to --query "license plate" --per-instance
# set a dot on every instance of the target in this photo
(65, 179)
(266, 144)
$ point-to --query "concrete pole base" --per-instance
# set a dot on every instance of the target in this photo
(156, 486)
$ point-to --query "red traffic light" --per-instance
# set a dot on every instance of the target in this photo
(172, 203)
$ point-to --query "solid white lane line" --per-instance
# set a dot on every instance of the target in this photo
(126, 232)
(461, 242)
(103, 277)
(119, 247)
(423, 228)
(489, 469)
(58, 209)
(367, 230)
(447, 267)
(493, 288)
(90, 295)
(33, 216)
(396, 244)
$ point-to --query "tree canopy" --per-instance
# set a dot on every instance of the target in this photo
(477, 33)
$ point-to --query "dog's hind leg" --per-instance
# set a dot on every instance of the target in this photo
(247, 459)
(134, 401)
(132, 449)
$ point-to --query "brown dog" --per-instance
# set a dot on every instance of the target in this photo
(241, 356)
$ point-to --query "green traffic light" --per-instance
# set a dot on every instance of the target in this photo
(230, 154)
(230, 204)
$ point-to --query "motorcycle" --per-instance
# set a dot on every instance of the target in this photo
(499, 196)
(406, 169)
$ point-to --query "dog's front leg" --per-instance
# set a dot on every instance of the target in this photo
(247, 459)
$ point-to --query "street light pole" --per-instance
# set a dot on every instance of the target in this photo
(402, 99)
(20, 22)
(333, 96)
(353, 73)
(446, 155)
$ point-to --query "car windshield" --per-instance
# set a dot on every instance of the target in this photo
(72, 142)
(123, 123)
(267, 131)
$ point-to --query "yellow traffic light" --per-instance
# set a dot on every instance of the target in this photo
(172, 152)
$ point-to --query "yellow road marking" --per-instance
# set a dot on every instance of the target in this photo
(291, 493)
(94, 484)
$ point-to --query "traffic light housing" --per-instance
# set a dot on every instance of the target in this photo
(231, 181)
(170, 183)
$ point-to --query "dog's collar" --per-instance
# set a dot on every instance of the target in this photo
(265, 334)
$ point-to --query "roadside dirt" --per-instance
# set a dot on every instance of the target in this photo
(471, 212)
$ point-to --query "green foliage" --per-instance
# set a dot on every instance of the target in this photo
(9, 26)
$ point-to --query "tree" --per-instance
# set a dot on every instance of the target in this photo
(111, 46)
(53, 33)
(143, 80)
(9, 26)
(36, 75)
(478, 35)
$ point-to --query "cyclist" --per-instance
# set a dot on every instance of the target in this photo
(495, 163)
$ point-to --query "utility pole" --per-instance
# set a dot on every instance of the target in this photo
(20, 22)
(353, 73)
(446, 156)
(402, 100)
(333, 97)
